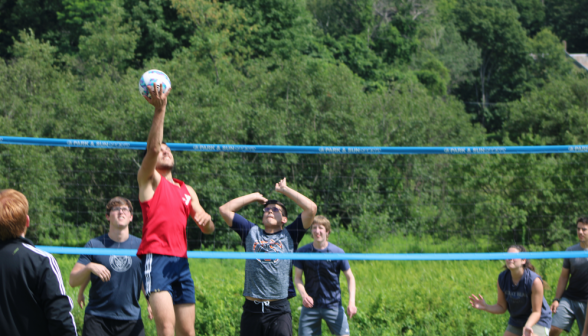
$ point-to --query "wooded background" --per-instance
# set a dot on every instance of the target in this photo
(320, 72)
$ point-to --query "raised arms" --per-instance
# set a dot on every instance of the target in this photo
(309, 207)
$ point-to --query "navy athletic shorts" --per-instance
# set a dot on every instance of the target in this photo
(101, 326)
(166, 273)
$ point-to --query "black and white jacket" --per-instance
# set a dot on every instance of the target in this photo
(32, 296)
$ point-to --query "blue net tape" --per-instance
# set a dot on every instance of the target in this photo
(8, 140)
(329, 256)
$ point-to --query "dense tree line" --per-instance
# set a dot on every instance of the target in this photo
(321, 72)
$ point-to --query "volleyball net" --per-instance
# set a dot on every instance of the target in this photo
(384, 203)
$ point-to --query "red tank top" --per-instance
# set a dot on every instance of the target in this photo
(165, 217)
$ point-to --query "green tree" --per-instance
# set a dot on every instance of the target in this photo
(281, 27)
(38, 15)
(567, 20)
(532, 14)
(109, 46)
(549, 58)
(503, 43)
(75, 14)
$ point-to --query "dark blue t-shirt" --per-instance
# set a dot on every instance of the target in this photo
(118, 298)
(295, 230)
(518, 298)
(321, 277)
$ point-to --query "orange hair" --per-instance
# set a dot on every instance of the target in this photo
(14, 209)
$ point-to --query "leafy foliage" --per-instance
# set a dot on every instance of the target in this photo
(363, 73)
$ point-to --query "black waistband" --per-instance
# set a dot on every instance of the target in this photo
(278, 306)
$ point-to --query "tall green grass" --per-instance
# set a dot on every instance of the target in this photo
(393, 297)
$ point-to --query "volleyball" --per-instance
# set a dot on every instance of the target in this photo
(151, 77)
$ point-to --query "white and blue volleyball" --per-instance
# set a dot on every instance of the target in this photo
(151, 77)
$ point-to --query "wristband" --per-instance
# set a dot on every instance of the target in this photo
(556, 299)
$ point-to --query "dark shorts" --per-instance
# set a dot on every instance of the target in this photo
(310, 321)
(165, 273)
(567, 312)
(269, 319)
(101, 326)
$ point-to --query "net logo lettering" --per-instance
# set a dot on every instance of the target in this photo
(475, 150)
(578, 148)
(78, 143)
(223, 148)
(204, 147)
(271, 246)
(348, 150)
(88, 143)
(453, 150)
(110, 144)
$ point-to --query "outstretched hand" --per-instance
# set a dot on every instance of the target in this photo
(478, 303)
(158, 98)
(281, 186)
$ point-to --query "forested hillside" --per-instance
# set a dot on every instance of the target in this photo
(320, 72)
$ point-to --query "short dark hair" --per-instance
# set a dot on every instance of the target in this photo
(285, 212)
(145, 150)
(582, 220)
(118, 201)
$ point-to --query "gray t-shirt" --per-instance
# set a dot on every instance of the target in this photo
(267, 278)
(578, 286)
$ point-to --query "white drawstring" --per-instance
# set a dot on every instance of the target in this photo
(263, 303)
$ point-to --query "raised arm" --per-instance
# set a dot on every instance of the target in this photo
(307, 301)
(308, 206)
(351, 309)
(159, 101)
(228, 210)
(201, 217)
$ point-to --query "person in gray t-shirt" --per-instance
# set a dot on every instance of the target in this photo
(266, 311)
(569, 303)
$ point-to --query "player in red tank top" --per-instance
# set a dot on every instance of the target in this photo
(166, 204)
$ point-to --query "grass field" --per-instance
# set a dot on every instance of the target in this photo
(393, 298)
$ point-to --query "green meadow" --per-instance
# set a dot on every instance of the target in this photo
(393, 297)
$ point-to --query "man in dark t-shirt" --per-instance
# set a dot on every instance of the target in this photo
(321, 292)
(569, 303)
(113, 308)
(268, 282)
